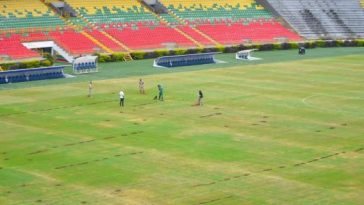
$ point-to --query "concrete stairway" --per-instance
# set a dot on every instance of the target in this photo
(328, 19)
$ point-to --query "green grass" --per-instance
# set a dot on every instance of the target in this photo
(285, 130)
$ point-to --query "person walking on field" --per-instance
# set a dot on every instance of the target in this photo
(160, 92)
(90, 87)
(141, 86)
(200, 98)
(122, 98)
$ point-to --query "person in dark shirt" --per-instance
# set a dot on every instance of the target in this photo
(200, 98)
(302, 50)
(160, 93)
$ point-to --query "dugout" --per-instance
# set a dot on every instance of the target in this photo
(185, 60)
(246, 55)
(23, 75)
(85, 64)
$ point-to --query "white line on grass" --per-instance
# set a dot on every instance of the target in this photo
(306, 102)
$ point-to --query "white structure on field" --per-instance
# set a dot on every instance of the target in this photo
(246, 55)
(85, 64)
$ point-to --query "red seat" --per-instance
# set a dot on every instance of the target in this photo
(13, 48)
(105, 40)
(195, 35)
(236, 33)
(149, 38)
(73, 42)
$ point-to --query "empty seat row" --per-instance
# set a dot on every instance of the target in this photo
(27, 14)
(74, 42)
(105, 40)
(150, 38)
(112, 11)
(238, 33)
(210, 10)
(14, 49)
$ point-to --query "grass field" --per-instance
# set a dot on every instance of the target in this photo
(286, 130)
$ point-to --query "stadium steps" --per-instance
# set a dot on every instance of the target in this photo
(144, 37)
(102, 40)
(198, 35)
(78, 22)
(66, 22)
(88, 22)
(207, 37)
(128, 57)
(276, 15)
(69, 58)
(76, 27)
(195, 33)
(189, 37)
(96, 42)
(116, 41)
(176, 29)
(331, 19)
(105, 40)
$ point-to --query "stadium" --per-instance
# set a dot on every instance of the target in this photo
(181, 102)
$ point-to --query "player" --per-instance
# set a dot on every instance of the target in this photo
(160, 92)
(122, 98)
(90, 87)
(141, 86)
(302, 50)
(200, 98)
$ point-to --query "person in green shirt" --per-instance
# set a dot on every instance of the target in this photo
(160, 92)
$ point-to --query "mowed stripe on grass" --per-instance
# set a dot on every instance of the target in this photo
(279, 133)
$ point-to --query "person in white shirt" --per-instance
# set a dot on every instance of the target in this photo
(122, 97)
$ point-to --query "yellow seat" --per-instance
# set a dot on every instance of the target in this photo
(92, 6)
(24, 8)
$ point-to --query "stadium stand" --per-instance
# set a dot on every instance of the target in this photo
(115, 25)
(27, 14)
(236, 33)
(105, 40)
(100, 12)
(209, 11)
(123, 26)
(322, 19)
(129, 23)
(74, 42)
(195, 35)
(229, 22)
(144, 37)
(12, 47)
